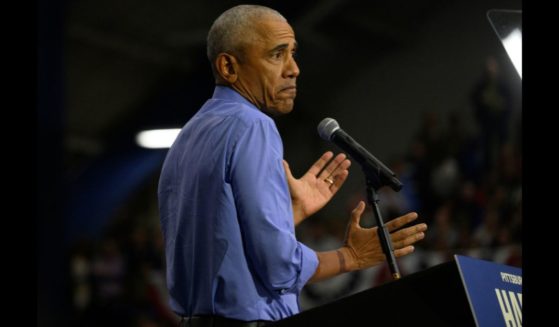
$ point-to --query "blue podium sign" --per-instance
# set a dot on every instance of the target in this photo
(494, 291)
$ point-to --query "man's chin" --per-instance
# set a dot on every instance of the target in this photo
(280, 110)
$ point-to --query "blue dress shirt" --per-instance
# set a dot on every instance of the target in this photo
(227, 219)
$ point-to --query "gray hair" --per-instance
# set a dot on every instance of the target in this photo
(232, 30)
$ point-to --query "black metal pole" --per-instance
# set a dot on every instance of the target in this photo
(384, 235)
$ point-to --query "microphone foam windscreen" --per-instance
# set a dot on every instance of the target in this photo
(327, 127)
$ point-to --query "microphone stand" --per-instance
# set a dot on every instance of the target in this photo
(373, 184)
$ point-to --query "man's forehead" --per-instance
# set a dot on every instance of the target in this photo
(273, 27)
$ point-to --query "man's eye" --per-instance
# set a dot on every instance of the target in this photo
(278, 55)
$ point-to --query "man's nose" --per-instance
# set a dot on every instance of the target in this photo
(291, 69)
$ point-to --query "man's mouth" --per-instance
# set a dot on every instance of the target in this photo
(289, 89)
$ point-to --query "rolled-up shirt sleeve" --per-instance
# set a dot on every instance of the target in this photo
(264, 210)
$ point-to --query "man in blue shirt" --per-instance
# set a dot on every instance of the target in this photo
(228, 201)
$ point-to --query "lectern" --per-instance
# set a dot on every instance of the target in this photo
(461, 292)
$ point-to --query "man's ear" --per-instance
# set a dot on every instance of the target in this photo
(227, 66)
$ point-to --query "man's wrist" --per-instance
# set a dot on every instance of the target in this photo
(341, 262)
(298, 215)
(346, 259)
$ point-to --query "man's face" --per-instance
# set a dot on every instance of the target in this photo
(267, 71)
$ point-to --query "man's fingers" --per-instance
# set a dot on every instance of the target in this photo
(404, 251)
(339, 179)
(401, 221)
(339, 163)
(408, 231)
(408, 238)
(320, 163)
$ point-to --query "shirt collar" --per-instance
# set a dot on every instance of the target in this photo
(227, 93)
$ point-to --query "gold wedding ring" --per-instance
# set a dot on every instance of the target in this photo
(329, 180)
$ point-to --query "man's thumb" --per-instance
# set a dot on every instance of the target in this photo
(287, 170)
(357, 212)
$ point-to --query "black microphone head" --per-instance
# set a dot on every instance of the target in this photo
(327, 127)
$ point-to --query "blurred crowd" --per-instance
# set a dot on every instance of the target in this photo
(465, 184)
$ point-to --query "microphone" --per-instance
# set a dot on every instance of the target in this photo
(374, 169)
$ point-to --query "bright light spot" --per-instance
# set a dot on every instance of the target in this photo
(157, 138)
(513, 45)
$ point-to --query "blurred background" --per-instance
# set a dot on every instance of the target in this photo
(426, 86)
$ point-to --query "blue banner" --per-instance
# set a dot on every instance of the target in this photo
(494, 291)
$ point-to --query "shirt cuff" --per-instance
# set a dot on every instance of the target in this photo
(308, 265)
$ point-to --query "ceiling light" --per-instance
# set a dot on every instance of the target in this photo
(157, 138)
